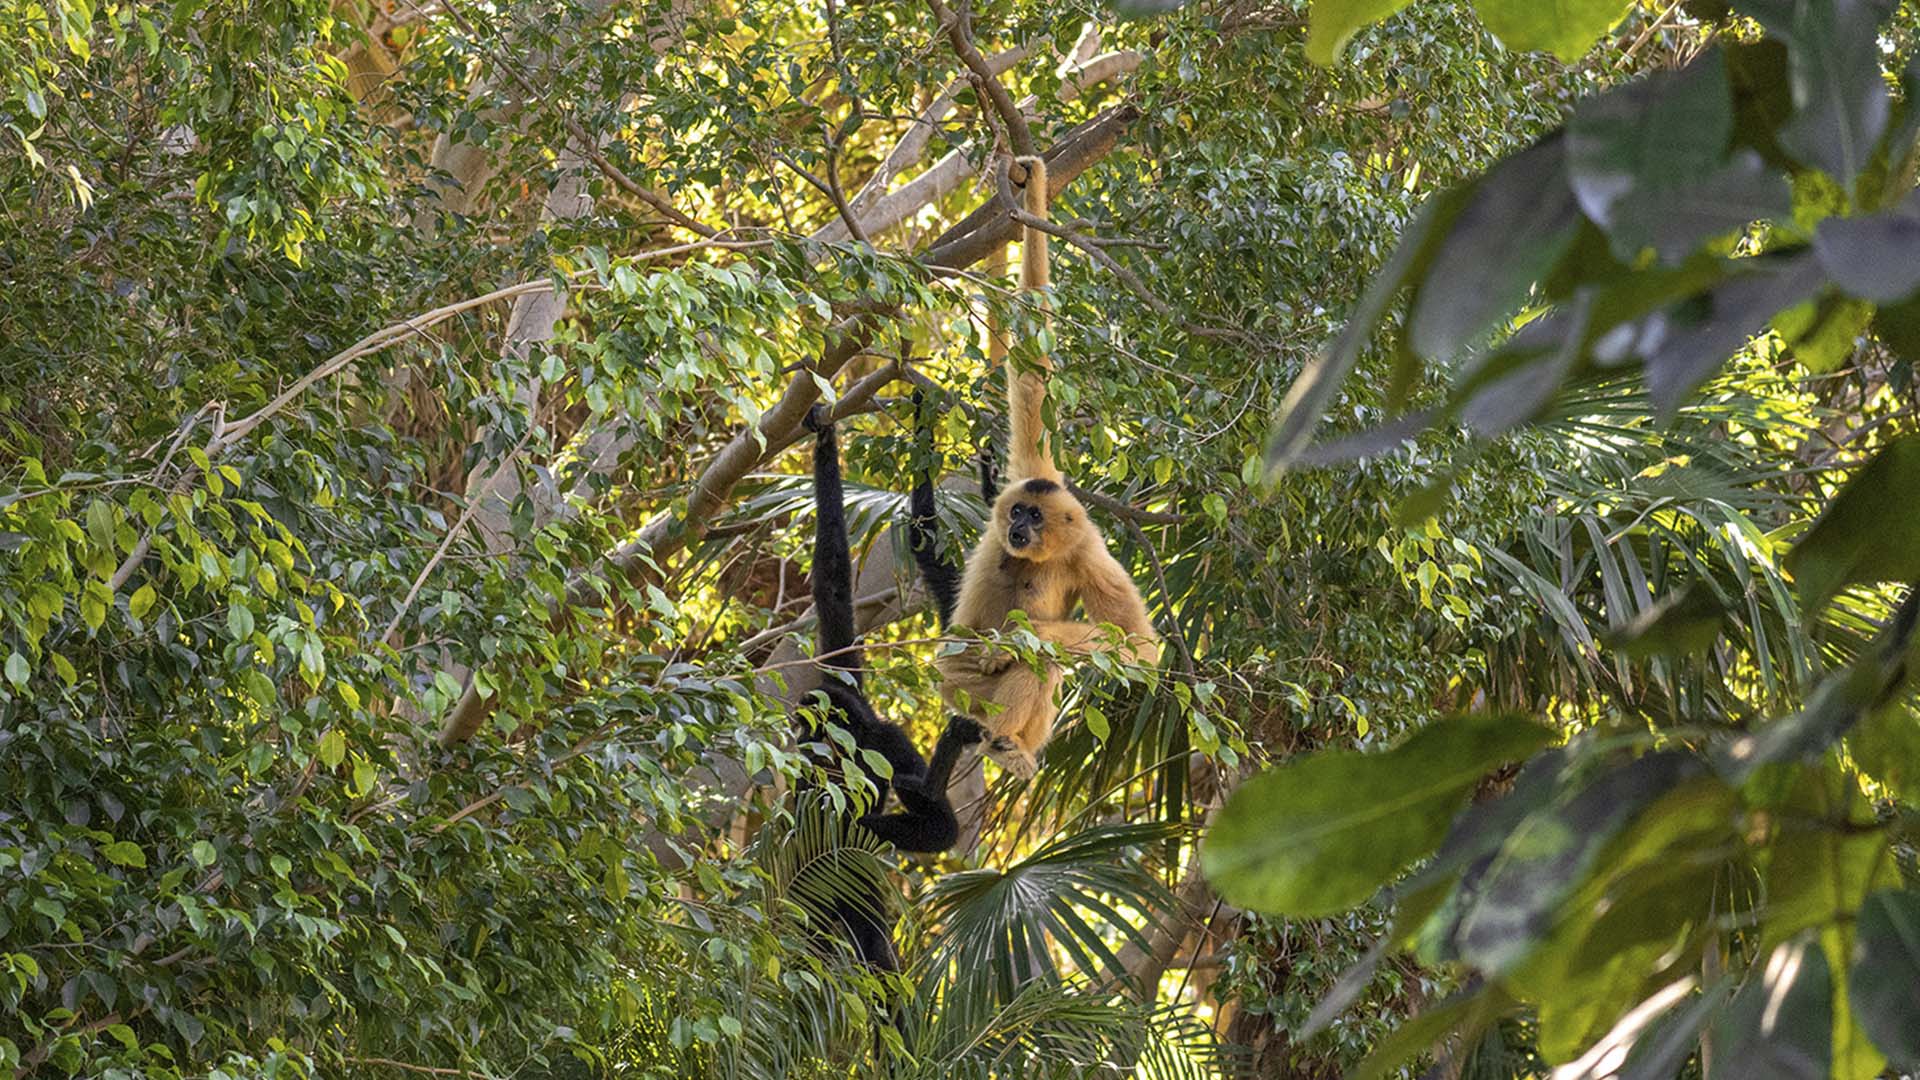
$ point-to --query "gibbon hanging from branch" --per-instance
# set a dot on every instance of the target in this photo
(1039, 554)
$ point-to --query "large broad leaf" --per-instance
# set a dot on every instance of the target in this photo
(1899, 326)
(1885, 981)
(1332, 22)
(1683, 346)
(1840, 100)
(1827, 859)
(1652, 1040)
(1317, 836)
(1517, 900)
(1651, 890)
(1675, 223)
(1780, 1024)
(1869, 533)
(1566, 28)
(1520, 221)
(1886, 746)
(1876, 257)
(1657, 135)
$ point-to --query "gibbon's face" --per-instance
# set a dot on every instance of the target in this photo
(1038, 520)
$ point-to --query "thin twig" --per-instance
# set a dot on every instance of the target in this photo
(466, 515)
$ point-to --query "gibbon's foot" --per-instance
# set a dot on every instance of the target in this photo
(816, 418)
(1008, 755)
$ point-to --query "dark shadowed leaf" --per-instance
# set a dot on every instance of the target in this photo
(1686, 344)
(1332, 22)
(1521, 219)
(1869, 533)
(1762, 98)
(1318, 835)
(1516, 901)
(1678, 625)
(1368, 443)
(1875, 257)
(1675, 223)
(1899, 326)
(1840, 101)
(1660, 134)
(1886, 746)
(1519, 381)
(1885, 981)
(1835, 706)
(1780, 1024)
(1566, 28)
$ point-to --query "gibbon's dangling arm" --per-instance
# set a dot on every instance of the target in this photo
(832, 558)
(1029, 447)
(942, 577)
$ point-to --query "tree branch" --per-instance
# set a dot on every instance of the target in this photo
(959, 31)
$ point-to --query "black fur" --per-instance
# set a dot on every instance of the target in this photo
(841, 684)
(1039, 486)
(926, 821)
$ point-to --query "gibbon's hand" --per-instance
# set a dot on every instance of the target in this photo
(993, 660)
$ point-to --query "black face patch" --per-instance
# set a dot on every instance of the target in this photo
(1039, 486)
(1025, 514)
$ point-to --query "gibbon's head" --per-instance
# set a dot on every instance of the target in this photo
(1039, 519)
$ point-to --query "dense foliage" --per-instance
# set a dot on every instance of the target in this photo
(1723, 872)
(402, 567)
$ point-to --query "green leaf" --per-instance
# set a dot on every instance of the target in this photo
(1145, 9)
(1886, 746)
(333, 748)
(364, 775)
(1513, 904)
(141, 601)
(203, 853)
(1521, 219)
(1660, 134)
(18, 671)
(1874, 258)
(1841, 104)
(1885, 981)
(1316, 836)
(1682, 624)
(1466, 1011)
(1566, 28)
(1698, 335)
(125, 853)
(1676, 223)
(1331, 23)
(1780, 1024)
(1870, 532)
(239, 621)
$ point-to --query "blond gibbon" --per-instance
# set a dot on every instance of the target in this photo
(1041, 555)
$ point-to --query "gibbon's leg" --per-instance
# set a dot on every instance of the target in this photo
(1025, 719)
(928, 822)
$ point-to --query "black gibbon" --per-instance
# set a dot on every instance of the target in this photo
(1039, 554)
(927, 822)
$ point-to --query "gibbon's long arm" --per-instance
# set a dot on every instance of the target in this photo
(832, 558)
(942, 577)
(1029, 447)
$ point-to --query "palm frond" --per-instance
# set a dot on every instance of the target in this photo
(997, 930)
